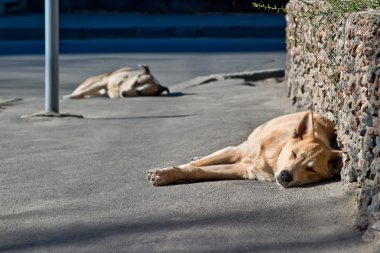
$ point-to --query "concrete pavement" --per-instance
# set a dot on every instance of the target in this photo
(78, 185)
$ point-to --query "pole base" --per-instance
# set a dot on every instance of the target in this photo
(53, 115)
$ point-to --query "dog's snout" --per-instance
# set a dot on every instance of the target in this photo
(286, 176)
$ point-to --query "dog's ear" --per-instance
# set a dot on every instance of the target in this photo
(335, 163)
(146, 68)
(305, 127)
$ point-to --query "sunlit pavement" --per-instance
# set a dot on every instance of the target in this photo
(78, 185)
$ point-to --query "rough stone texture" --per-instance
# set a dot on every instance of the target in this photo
(334, 69)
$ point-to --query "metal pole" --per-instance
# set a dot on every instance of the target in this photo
(51, 56)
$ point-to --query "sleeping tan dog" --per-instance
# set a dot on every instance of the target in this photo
(124, 82)
(293, 150)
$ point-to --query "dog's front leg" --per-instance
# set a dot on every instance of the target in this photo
(229, 155)
(188, 172)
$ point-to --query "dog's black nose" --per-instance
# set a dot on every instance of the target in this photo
(285, 176)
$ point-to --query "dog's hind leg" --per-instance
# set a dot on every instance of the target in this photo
(227, 155)
(90, 87)
(188, 172)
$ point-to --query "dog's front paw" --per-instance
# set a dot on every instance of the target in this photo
(158, 177)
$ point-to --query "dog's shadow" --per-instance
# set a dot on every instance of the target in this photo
(142, 117)
(177, 94)
(105, 96)
(311, 185)
(171, 94)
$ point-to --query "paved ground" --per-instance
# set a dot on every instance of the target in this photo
(78, 185)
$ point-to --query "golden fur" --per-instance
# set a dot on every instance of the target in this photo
(292, 150)
(124, 82)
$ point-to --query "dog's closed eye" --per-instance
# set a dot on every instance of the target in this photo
(310, 169)
(294, 155)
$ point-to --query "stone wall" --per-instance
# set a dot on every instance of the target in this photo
(334, 69)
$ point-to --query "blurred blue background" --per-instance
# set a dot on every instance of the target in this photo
(110, 26)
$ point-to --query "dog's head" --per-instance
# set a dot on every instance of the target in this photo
(143, 84)
(306, 157)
